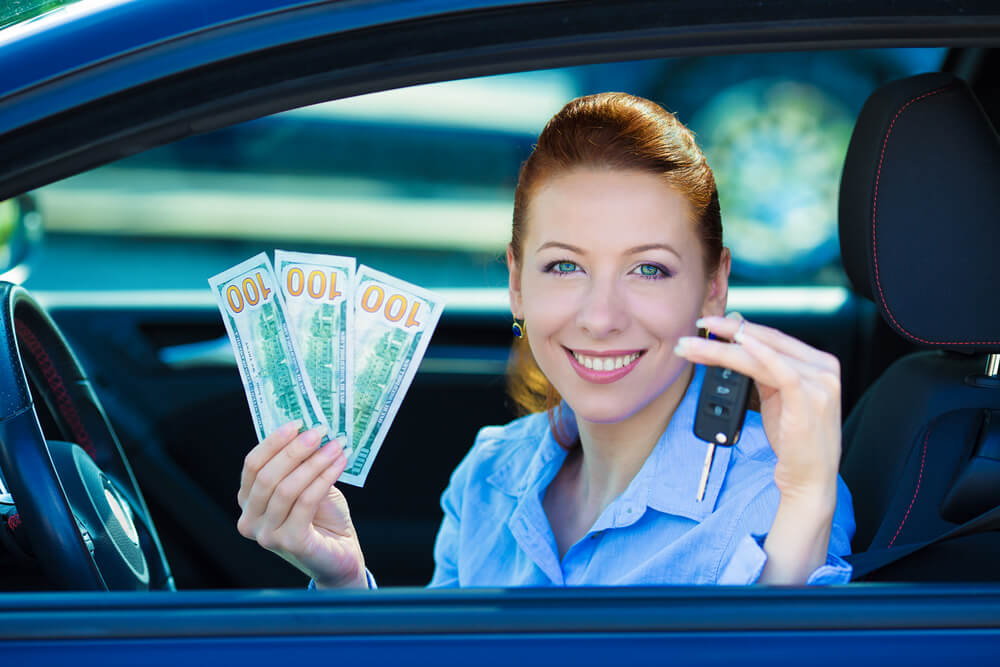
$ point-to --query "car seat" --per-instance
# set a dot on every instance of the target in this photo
(919, 213)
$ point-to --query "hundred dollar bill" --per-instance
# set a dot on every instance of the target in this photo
(318, 295)
(393, 323)
(254, 314)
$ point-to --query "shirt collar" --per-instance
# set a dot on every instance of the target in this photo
(668, 480)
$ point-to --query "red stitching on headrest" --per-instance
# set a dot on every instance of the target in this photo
(55, 382)
(878, 283)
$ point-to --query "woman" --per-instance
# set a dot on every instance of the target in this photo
(616, 260)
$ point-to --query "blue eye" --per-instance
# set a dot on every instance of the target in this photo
(562, 267)
(652, 271)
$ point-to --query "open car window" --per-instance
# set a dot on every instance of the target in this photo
(419, 181)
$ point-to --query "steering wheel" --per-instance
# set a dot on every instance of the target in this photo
(79, 503)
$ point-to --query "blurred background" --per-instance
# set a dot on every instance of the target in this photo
(419, 181)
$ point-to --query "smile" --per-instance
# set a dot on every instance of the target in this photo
(605, 363)
(603, 367)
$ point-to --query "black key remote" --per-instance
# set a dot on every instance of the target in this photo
(722, 406)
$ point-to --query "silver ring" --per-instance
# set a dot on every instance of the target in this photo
(739, 332)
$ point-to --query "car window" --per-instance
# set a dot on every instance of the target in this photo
(421, 179)
(417, 182)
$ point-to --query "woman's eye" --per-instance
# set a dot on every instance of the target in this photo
(563, 267)
(651, 271)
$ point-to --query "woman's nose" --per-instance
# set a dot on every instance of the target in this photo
(603, 310)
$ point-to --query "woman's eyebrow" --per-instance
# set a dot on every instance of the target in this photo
(559, 244)
(652, 246)
(631, 251)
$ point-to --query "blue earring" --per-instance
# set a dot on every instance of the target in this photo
(518, 329)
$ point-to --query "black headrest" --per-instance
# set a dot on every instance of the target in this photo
(920, 210)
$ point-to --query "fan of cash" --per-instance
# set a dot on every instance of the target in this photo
(318, 339)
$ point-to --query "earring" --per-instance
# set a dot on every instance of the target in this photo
(518, 329)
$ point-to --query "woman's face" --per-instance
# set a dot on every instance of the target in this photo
(611, 275)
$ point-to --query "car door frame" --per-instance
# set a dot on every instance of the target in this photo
(193, 78)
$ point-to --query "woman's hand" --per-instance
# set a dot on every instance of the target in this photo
(799, 390)
(291, 507)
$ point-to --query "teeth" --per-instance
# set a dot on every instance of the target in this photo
(605, 363)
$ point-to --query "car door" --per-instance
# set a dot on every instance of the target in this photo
(135, 307)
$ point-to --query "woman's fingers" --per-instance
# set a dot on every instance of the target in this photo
(304, 509)
(717, 353)
(800, 397)
(753, 358)
(289, 491)
(727, 327)
(258, 457)
(277, 468)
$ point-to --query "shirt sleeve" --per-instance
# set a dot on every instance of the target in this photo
(448, 543)
(446, 546)
(747, 558)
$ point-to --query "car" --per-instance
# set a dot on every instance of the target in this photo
(153, 143)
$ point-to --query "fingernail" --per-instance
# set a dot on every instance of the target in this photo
(293, 426)
(684, 345)
(337, 444)
(316, 433)
(700, 323)
(735, 315)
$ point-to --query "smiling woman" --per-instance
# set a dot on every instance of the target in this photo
(644, 144)
(615, 260)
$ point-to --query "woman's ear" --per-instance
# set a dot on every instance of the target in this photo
(514, 285)
(717, 294)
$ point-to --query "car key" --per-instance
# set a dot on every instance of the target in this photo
(718, 420)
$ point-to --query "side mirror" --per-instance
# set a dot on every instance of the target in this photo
(20, 236)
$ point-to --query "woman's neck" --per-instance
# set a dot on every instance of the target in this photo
(612, 454)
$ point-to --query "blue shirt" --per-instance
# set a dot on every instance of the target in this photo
(496, 533)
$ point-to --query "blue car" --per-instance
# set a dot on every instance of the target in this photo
(149, 144)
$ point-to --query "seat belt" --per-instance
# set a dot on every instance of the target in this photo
(866, 562)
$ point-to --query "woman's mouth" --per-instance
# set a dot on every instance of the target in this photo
(603, 367)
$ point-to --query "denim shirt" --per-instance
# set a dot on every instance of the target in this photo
(496, 533)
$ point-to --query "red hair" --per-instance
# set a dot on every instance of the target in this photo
(608, 131)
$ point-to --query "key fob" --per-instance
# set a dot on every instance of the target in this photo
(722, 406)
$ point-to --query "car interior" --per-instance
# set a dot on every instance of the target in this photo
(903, 305)
(915, 225)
